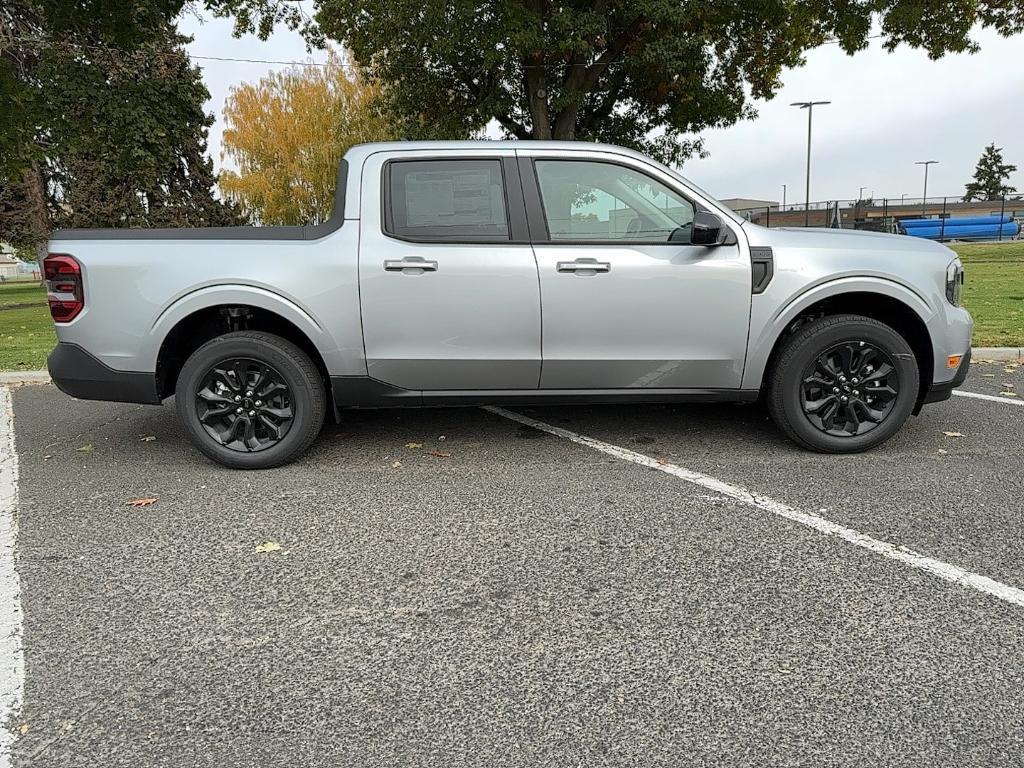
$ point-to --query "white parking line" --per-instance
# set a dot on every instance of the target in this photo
(903, 555)
(12, 660)
(993, 398)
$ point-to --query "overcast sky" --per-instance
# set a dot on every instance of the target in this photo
(887, 111)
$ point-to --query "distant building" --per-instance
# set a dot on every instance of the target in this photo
(9, 266)
(746, 206)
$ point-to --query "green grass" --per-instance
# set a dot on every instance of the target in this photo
(21, 293)
(994, 292)
(26, 334)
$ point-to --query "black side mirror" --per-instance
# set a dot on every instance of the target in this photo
(708, 229)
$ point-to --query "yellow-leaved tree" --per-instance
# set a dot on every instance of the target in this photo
(287, 133)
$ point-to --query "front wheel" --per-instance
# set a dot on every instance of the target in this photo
(843, 384)
(250, 400)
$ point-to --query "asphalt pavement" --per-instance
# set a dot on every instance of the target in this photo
(454, 588)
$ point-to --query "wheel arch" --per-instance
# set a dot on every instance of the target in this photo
(205, 314)
(890, 303)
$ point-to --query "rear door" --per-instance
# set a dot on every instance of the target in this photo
(628, 301)
(448, 281)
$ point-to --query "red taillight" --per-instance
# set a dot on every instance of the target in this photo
(64, 290)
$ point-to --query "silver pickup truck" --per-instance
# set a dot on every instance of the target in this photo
(511, 273)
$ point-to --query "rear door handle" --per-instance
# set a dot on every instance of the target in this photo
(583, 265)
(412, 264)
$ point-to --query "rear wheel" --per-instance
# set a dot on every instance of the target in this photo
(843, 384)
(250, 400)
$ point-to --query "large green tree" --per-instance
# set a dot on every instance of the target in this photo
(650, 74)
(990, 176)
(107, 126)
(31, 29)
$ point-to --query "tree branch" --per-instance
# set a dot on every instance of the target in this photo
(579, 82)
(605, 106)
(510, 125)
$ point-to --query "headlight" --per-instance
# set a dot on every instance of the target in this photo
(954, 282)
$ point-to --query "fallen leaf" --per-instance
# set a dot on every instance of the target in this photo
(144, 501)
(396, 465)
(663, 461)
(47, 457)
(941, 451)
(954, 434)
(148, 438)
(85, 448)
(345, 435)
(268, 546)
(441, 454)
(1010, 369)
(413, 446)
(23, 729)
(442, 438)
(1007, 385)
(1008, 394)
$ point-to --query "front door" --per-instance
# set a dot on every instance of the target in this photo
(627, 300)
(448, 280)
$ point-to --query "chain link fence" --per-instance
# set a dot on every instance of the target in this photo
(887, 215)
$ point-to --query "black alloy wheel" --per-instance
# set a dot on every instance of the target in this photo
(842, 383)
(850, 389)
(244, 404)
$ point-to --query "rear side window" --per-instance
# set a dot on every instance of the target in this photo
(446, 200)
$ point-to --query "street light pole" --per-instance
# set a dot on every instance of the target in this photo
(809, 106)
(860, 195)
(924, 197)
(783, 197)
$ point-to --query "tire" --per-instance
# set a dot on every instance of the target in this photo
(801, 390)
(285, 392)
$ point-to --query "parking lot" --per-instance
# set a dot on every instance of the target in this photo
(659, 585)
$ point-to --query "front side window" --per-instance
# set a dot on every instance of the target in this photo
(446, 200)
(592, 200)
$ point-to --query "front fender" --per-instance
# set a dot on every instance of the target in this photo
(768, 322)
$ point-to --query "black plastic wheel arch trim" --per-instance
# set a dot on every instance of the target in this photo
(82, 375)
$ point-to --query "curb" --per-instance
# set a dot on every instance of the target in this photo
(978, 355)
(24, 377)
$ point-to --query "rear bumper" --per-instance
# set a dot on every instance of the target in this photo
(79, 374)
(944, 390)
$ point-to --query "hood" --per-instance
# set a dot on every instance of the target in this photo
(822, 239)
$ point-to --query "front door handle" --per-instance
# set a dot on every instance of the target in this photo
(583, 265)
(410, 264)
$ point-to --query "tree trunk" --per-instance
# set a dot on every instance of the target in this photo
(565, 125)
(38, 211)
(537, 95)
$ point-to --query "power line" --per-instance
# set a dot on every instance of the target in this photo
(282, 62)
